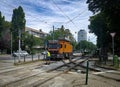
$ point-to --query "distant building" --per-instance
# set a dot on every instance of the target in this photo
(36, 33)
(82, 35)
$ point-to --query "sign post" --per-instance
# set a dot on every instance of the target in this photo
(86, 82)
(113, 35)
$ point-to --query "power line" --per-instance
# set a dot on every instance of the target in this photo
(77, 15)
(39, 19)
(64, 13)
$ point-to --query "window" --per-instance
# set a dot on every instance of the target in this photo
(53, 46)
(65, 46)
(60, 45)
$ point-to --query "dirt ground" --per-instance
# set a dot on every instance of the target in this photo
(73, 79)
(70, 79)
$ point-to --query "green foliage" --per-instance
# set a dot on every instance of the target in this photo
(111, 11)
(18, 19)
(116, 61)
(104, 6)
(30, 41)
(98, 26)
(60, 33)
(110, 8)
(18, 26)
(85, 46)
(4, 34)
(2, 20)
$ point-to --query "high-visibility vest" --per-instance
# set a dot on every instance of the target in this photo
(48, 54)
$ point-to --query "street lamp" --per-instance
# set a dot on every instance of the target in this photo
(75, 39)
(76, 36)
(113, 35)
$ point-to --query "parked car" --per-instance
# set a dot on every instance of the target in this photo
(44, 53)
(21, 53)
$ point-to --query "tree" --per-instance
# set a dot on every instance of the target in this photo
(60, 33)
(2, 20)
(30, 41)
(111, 11)
(18, 26)
(98, 26)
(4, 34)
(86, 46)
(110, 8)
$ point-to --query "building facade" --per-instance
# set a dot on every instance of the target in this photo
(82, 35)
(36, 33)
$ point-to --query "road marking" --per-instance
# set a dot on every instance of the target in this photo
(98, 73)
(104, 72)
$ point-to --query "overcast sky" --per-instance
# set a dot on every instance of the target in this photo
(43, 14)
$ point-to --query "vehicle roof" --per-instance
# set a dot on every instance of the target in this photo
(56, 41)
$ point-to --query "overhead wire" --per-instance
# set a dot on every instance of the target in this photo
(70, 20)
(64, 13)
(77, 15)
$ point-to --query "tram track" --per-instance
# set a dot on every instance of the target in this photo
(18, 74)
(37, 76)
(39, 82)
(25, 76)
(12, 70)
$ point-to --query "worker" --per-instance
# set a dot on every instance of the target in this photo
(48, 57)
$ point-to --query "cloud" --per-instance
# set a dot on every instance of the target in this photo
(43, 14)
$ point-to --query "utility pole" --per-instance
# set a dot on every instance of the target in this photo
(19, 46)
(53, 32)
(11, 44)
(12, 47)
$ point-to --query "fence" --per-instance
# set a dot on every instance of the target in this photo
(30, 58)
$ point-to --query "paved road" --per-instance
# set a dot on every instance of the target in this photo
(5, 57)
(6, 61)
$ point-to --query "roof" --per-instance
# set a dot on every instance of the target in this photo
(56, 41)
(34, 30)
(64, 39)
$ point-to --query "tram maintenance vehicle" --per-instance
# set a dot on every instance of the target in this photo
(60, 48)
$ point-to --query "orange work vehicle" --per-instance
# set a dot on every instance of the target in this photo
(61, 48)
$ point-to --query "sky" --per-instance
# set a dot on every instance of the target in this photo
(44, 14)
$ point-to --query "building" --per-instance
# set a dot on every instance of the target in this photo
(36, 33)
(82, 35)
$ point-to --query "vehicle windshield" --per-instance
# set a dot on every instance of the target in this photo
(53, 46)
